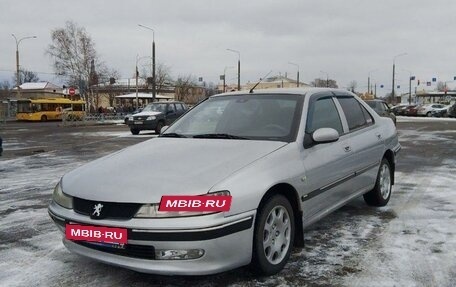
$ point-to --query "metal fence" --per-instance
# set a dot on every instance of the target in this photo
(3, 112)
(69, 119)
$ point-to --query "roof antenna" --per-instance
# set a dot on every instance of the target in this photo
(261, 79)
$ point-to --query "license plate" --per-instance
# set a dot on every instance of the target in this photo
(138, 122)
(109, 235)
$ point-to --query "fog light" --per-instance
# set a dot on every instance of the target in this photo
(178, 254)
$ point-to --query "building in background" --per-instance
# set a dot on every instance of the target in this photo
(37, 90)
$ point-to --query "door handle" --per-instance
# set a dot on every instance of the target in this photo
(379, 136)
(347, 148)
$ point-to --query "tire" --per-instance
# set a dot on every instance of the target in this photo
(278, 212)
(428, 114)
(380, 195)
(134, 131)
(44, 118)
(159, 126)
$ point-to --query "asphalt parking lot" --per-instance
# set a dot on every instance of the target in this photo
(411, 242)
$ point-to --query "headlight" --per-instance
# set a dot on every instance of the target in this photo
(61, 198)
(151, 210)
(150, 118)
(130, 118)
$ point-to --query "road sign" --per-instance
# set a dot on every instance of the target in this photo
(71, 91)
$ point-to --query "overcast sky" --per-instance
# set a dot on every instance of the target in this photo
(345, 39)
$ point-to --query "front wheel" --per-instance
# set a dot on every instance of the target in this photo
(134, 131)
(273, 236)
(159, 127)
(44, 118)
(380, 195)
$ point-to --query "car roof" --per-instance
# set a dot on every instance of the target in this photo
(288, 91)
(167, 102)
(375, 100)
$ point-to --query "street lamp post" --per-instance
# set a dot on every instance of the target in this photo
(394, 70)
(410, 86)
(369, 89)
(17, 58)
(239, 67)
(136, 77)
(327, 78)
(154, 83)
(224, 77)
(297, 74)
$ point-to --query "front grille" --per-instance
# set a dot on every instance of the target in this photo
(140, 118)
(109, 210)
(130, 250)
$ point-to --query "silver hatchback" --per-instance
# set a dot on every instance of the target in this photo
(287, 158)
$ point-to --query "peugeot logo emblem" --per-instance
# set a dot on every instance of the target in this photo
(97, 209)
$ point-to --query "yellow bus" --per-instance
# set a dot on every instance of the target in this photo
(49, 109)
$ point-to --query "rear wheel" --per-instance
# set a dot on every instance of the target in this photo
(273, 236)
(380, 195)
(134, 131)
(428, 114)
(44, 118)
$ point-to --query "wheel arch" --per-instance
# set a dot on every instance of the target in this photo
(292, 195)
(389, 155)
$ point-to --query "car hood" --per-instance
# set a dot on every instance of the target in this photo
(147, 114)
(163, 166)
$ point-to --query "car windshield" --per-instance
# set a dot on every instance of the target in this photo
(156, 107)
(259, 117)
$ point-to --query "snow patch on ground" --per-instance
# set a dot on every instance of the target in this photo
(402, 119)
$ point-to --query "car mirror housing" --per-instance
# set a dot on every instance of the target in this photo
(325, 135)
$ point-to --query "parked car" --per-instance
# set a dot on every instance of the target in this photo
(286, 157)
(397, 110)
(411, 110)
(127, 116)
(452, 111)
(156, 115)
(382, 109)
(426, 110)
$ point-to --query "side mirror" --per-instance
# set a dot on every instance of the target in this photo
(163, 129)
(325, 135)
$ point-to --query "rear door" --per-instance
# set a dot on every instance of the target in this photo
(366, 141)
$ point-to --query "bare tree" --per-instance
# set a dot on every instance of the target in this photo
(184, 85)
(352, 86)
(162, 74)
(324, 83)
(441, 86)
(5, 89)
(26, 76)
(112, 75)
(74, 57)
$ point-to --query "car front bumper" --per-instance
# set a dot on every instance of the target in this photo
(143, 124)
(226, 241)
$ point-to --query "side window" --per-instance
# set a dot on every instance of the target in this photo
(179, 108)
(353, 112)
(323, 114)
(171, 109)
(367, 116)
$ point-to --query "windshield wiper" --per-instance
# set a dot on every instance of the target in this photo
(172, 135)
(219, 136)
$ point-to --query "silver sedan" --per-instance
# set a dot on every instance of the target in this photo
(287, 158)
